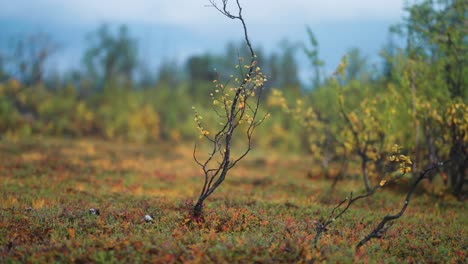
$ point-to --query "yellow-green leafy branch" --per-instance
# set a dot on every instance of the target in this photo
(237, 110)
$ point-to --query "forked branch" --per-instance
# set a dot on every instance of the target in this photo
(339, 210)
(239, 109)
(386, 222)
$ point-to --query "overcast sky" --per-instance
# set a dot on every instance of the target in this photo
(195, 12)
(338, 24)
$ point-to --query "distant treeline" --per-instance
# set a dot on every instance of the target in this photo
(115, 96)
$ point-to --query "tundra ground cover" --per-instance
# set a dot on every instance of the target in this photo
(266, 211)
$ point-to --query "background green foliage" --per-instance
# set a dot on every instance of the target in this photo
(416, 99)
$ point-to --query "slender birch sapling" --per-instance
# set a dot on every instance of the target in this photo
(236, 104)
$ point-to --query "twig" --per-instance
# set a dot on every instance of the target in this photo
(322, 227)
(381, 227)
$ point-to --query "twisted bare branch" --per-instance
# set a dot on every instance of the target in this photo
(220, 160)
(387, 221)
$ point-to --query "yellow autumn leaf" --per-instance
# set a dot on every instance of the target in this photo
(382, 182)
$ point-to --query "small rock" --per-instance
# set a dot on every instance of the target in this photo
(148, 218)
(94, 211)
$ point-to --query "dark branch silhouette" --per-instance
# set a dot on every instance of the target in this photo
(237, 110)
(321, 228)
(387, 221)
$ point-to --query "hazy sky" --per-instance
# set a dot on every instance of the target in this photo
(195, 12)
(180, 28)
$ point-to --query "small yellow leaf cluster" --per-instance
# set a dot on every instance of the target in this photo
(456, 116)
(221, 95)
(382, 182)
(247, 85)
(405, 163)
(396, 149)
(231, 101)
(340, 70)
(197, 119)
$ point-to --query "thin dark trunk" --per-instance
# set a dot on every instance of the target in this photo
(385, 224)
(364, 174)
(198, 208)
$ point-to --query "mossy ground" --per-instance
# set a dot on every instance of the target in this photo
(264, 212)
